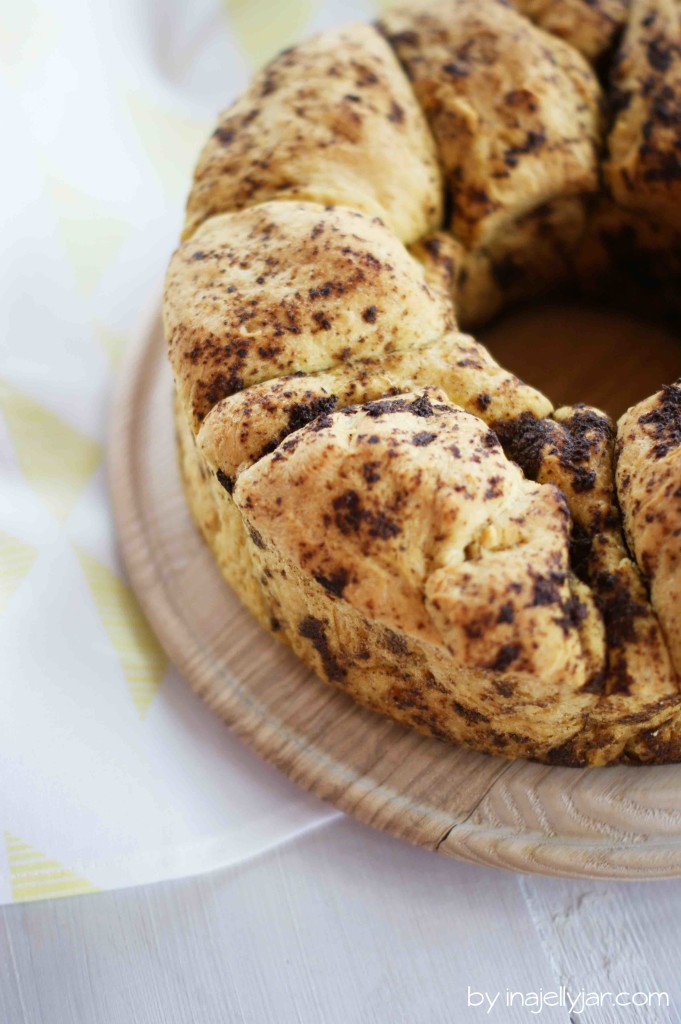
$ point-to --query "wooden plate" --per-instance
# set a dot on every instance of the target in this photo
(622, 822)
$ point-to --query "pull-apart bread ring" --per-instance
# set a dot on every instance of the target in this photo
(425, 530)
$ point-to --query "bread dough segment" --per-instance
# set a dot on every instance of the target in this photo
(332, 121)
(421, 524)
(290, 287)
(649, 489)
(591, 26)
(530, 257)
(515, 112)
(643, 169)
(533, 255)
(630, 256)
(242, 428)
(219, 520)
(639, 687)
(489, 598)
(632, 245)
(392, 480)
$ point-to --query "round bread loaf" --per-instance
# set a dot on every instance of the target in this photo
(425, 530)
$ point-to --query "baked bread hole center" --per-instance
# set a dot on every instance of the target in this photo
(577, 351)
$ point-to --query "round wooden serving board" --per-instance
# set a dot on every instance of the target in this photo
(622, 822)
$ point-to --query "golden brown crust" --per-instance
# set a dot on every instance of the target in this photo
(218, 519)
(515, 112)
(627, 255)
(643, 169)
(516, 115)
(332, 121)
(532, 256)
(442, 258)
(289, 287)
(591, 26)
(415, 522)
(414, 678)
(638, 686)
(246, 426)
(423, 527)
(649, 486)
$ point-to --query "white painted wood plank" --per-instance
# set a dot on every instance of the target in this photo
(11, 1004)
(611, 937)
(344, 926)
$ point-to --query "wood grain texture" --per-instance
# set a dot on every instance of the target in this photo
(621, 822)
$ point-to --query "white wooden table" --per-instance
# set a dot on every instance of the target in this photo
(340, 926)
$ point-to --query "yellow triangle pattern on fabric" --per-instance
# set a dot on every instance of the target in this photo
(139, 652)
(113, 342)
(170, 140)
(91, 236)
(33, 876)
(16, 558)
(56, 459)
(262, 29)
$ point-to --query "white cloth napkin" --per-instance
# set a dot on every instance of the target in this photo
(113, 773)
